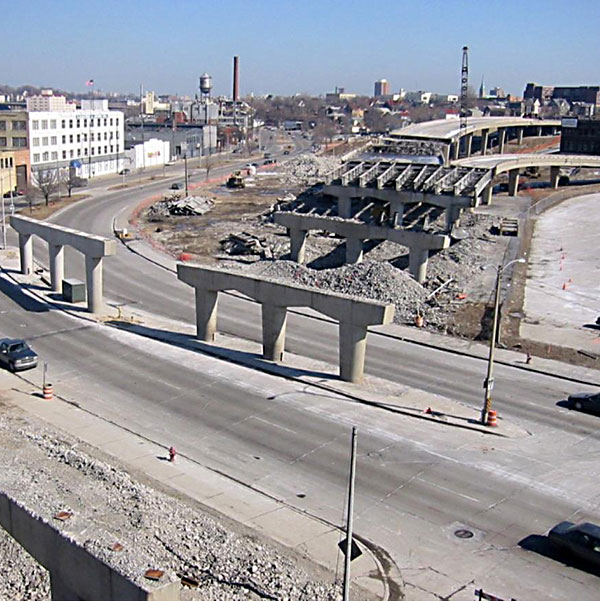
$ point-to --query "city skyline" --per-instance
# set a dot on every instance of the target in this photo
(287, 48)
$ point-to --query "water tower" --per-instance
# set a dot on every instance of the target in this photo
(205, 85)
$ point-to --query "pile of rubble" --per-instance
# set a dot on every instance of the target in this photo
(307, 170)
(370, 279)
(175, 206)
(154, 530)
(244, 243)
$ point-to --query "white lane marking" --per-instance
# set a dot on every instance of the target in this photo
(266, 421)
(449, 490)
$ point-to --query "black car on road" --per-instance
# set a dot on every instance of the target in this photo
(585, 401)
(581, 541)
(176, 186)
(16, 355)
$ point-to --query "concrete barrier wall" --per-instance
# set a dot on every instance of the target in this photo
(75, 574)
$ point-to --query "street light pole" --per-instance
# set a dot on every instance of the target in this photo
(489, 380)
(186, 174)
(349, 519)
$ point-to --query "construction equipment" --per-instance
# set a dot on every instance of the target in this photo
(236, 180)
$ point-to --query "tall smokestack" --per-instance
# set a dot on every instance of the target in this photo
(236, 78)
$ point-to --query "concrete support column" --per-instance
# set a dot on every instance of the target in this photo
(353, 343)
(57, 266)
(501, 139)
(354, 250)
(519, 135)
(452, 216)
(554, 176)
(345, 207)
(274, 319)
(455, 149)
(26, 253)
(468, 144)
(93, 280)
(397, 213)
(539, 131)
(486, 196)
(206, 314)
(417, 262)
(485, 136)
(446, 153)
(297, 245)
(513, 182)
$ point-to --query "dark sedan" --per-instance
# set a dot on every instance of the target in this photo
(585, 401)
(582, 541)
(16, 355)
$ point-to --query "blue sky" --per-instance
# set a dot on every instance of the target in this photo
(288, 46)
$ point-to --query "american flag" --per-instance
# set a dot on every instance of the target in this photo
(89, 82)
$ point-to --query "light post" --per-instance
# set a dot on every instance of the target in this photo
(186, 173)
(489, 380)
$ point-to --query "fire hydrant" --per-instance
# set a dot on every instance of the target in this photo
(172, 453)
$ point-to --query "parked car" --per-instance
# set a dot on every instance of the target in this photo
(177, 186)
(16, 355)
(286, 152)
(269, 162)
(585, 401)
(581, 541)
(124, 171)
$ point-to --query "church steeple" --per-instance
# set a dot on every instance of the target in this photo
(482, 89)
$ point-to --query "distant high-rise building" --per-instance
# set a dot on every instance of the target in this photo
(382, 88)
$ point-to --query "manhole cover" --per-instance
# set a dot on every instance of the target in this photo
(463, 533)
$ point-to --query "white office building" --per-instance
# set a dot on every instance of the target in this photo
(151, 153)
(89, 140)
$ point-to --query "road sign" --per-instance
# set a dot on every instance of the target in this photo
(354, 549)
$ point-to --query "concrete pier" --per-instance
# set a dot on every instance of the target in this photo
(419, 243)
(206, 314)
(93, 247)
(554, 177)
(57, 266)
(468, 144)
(513, 182)
(354, 250)
(501, 139)
(26, 253)
(297, 245)
(485, 136)
(274, 321)
(275, 297)
(486, 196)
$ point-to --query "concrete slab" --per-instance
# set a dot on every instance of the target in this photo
(561, 295)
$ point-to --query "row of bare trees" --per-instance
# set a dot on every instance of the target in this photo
(48, 182)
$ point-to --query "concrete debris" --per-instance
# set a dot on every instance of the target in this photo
(191, 205)
(243, 243)
(223, 562)
(307, 170)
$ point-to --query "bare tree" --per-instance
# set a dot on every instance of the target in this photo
(68, 180)
(47, 182)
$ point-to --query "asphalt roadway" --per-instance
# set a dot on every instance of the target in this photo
(418, 483)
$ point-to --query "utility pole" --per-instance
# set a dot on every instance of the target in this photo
(464, 92)
(348, 557)
(489, 380)
(3, 216)
(142, 126)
